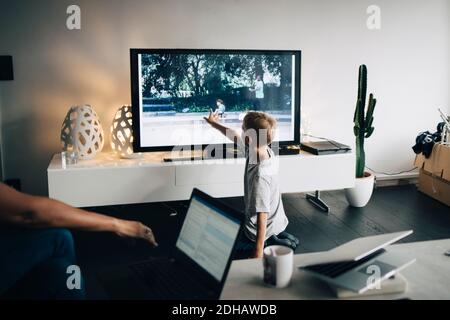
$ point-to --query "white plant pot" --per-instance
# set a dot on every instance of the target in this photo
(360, 195)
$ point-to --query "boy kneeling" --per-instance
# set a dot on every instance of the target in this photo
(266, 220)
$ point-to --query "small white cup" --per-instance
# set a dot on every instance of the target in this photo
(278, 264)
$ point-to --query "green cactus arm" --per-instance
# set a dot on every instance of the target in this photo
(369, 118)
(357, 111)
(362, 83)
(358, 118)
(371, 107)
(369, 123)
(369, 132)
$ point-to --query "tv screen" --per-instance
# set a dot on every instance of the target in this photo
(173, 89)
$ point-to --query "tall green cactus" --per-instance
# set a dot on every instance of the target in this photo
(363, 122)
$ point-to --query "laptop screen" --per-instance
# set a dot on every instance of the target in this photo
(207, 236)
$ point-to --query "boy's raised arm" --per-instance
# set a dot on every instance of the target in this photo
(213, 120)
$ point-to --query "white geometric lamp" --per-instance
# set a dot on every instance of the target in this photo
(122, 133)
(82, 133)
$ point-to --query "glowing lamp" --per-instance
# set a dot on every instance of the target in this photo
(122, 133)
(82, 133)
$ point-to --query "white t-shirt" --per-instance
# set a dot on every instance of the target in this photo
(262, 194)
(259, 89)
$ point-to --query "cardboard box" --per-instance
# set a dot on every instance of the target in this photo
(434, 176)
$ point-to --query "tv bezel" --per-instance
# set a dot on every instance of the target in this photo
(135, 103)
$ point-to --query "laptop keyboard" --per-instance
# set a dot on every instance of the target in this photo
(336, 269)
(167, 281)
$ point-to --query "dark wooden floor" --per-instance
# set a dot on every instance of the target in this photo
(391, 209)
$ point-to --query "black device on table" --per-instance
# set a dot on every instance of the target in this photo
(215, 153)
(324, 147)
(198, 265)
(289, 150)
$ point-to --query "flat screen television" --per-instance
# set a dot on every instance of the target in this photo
(173, 89)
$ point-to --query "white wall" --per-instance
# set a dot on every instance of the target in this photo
(408, 63)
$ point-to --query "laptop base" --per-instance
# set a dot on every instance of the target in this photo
(395, 284)
(153, 279)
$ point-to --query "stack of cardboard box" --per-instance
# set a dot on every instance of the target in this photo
(434, 177)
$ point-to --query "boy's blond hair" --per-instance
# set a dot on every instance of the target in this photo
(260, 121)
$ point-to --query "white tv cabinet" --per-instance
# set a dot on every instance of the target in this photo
(109, 180)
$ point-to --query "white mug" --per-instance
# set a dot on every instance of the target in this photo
(278, 264)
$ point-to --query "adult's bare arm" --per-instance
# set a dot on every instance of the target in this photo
(39, 212)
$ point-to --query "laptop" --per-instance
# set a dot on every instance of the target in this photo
(360, 264)
(198, 266)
